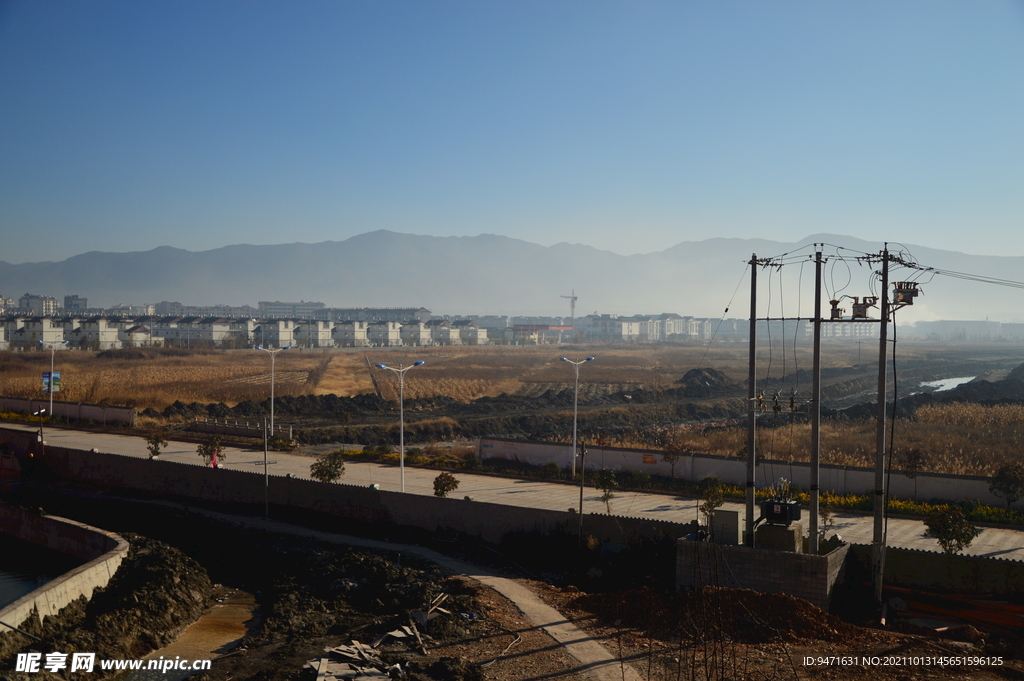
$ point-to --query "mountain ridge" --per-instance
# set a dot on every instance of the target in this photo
(496, 274)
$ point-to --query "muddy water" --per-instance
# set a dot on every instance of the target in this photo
(213, 635)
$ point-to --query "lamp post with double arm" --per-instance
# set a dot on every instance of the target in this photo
(400, 372)
(273, 354)
(575, 405)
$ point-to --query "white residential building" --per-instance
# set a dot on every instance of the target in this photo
(313, 334)
(416, 333)
(350, 334)
(384, 334)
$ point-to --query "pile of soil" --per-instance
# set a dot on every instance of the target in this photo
(739, 614)
(156, 592)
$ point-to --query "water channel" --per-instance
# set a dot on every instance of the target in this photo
(24, 567)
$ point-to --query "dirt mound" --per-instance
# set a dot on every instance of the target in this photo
(1016, 374)
(156, 592)
(739, 614)
(704, 378)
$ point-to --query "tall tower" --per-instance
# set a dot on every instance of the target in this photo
(572, 307)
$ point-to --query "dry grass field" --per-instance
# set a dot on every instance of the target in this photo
(955, 439)
(959, 439)
(158, 377)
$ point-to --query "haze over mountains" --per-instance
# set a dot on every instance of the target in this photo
(491, 274)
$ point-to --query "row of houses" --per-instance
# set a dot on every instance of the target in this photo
(104, 333)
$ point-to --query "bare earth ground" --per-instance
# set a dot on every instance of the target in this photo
(770, 637)
(496, 637)
(510, 650)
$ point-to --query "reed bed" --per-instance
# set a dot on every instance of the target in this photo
(958, 439)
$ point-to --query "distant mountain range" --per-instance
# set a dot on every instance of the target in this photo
(491, 274)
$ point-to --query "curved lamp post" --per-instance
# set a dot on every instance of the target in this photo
(273, 355)
(575, 406)
(49, 388)
(400, 372)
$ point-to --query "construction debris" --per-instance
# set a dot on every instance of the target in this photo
(357, 661)
(360, 661)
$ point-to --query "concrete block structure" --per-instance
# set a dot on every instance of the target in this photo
(812, 578)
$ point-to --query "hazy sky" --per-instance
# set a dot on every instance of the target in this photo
(629, 126)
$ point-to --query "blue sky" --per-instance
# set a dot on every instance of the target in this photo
(628, 126)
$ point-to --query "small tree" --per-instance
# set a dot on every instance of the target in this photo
(1008, 483)
(605, 481)
(675, 447)
(914, 461)
(711, 498)
(155, 441)
(445, 483)
(328, 468)
(210, 450)
(948, 525)
(826, 514)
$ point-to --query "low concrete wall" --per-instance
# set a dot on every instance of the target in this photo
(102, 550)
(809, 577)
(488, 521)
(840, 479)
(75, 411)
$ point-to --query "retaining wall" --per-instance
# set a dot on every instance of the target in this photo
(809, 577)
(102, 551)
(840, 479)
(75, 411)
(488, 521)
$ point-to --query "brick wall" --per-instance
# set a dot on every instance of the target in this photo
(809, 577)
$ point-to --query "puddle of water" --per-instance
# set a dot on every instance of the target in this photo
(213, 635)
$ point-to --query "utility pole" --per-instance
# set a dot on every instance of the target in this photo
(816, 410)
(878, 538)
(748, 535)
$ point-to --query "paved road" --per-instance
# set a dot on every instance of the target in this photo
(854, 528)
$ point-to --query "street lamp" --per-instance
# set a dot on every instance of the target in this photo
(273, 356)
(400, 372)
(42, 442)
(49, 387)
(575, 406)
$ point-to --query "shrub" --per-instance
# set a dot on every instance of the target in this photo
(551, 470)
(210, 449)
(949, 526)
(1008, 483)
(445, 483)
(155, 441)
(328, 468)
(280, 443)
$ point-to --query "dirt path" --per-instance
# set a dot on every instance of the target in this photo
(594, 659)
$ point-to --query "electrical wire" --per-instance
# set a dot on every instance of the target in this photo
(722, 319)
(768, 327)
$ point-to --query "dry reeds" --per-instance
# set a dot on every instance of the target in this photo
(957, 439)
